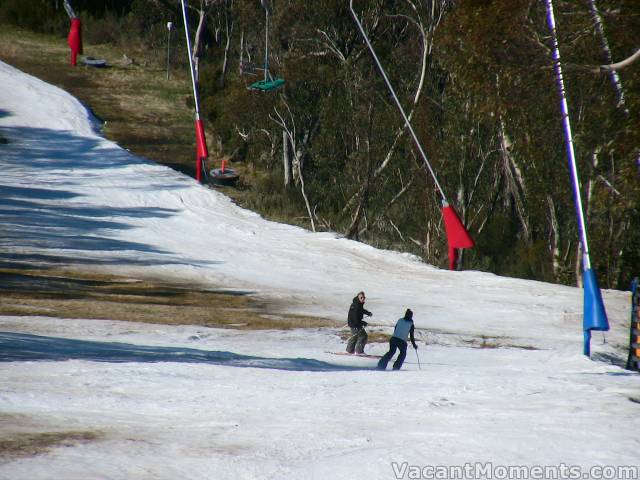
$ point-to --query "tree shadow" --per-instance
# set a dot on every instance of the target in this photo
(46, 150)
(20, 347)
(41, 213)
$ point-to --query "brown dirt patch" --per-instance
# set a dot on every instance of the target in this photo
(65, 294)
(30, 444)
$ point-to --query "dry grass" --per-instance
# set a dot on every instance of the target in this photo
(147, 114)
(18, 445)
(494, 342)
(66, 294)
(142, 110)
(25, 436)
(372, 336)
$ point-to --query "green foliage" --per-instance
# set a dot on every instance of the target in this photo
(485, 108)
(495, 54)
(488, 117)
(39, 16)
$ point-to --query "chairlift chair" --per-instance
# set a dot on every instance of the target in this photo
(268, 83)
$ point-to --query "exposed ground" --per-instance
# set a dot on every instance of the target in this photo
(149, 115)
(74, 294)
(141, 110)
(70, 294)
(486, 390)
(16, 443)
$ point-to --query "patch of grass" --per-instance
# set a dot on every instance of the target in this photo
(141, 110)
(373, 336)
(18, 445)
(149, 115)
(144, 112)
(493, 343)
(433, 336)
(66, 294)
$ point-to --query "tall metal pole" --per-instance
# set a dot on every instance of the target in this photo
(266, 46)
(201, 142)
(586, 261)
(169, 28)
(595, 316)
(395, 97)
(191, 69)
(69, 9)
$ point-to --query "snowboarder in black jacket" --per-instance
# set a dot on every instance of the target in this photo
(358, 338)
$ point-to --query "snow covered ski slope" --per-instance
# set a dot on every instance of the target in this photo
(165, 402)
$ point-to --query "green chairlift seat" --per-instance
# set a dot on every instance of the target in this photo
(267, 85)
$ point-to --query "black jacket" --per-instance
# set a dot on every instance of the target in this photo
(356, 312)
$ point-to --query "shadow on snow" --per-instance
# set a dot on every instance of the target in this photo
(20, 347)
(36, 220)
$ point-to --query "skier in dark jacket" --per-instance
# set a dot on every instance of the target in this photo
(404, 329)
(358, 338)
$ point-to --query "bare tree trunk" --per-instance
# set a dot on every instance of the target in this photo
(591, 182)
(225, 62)
(304, 193)
(353, 229)
(555, 238)
(426, 48)
(514, 181)
(298, 149)
(611, 68)
(578, 265)
(619, 65)
(241, 50)
(615, 276)
(286, 159)
(489, 206)
(613, 74)
(197, 41)
(388, 206)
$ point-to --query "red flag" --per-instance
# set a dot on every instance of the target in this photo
(201, 148)
(457, 235)
(75, 40)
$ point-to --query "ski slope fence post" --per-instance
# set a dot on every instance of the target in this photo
(169, 30)
(594, 317)
(633, 361)
(75, 40)
(201, 141)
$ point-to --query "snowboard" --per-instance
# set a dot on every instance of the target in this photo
(355, 355)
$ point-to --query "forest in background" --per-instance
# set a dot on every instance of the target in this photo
(328, 151)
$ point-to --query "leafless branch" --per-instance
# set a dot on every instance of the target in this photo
(617, 66)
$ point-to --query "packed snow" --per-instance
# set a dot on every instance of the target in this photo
(189, 402)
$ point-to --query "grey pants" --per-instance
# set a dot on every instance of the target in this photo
(357, 340)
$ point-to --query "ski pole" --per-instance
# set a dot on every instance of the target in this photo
(418, 357)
